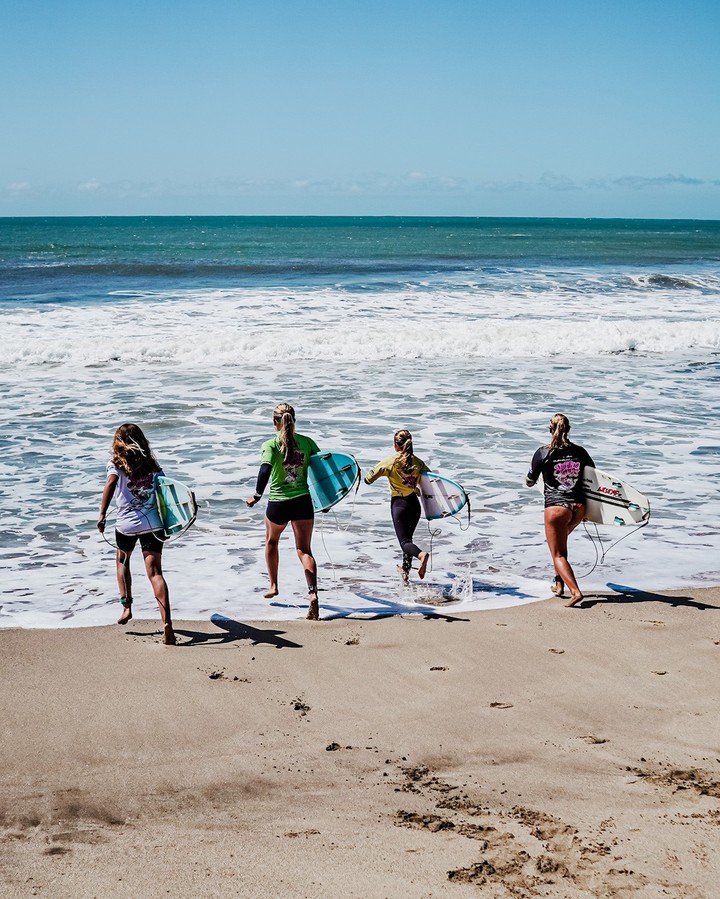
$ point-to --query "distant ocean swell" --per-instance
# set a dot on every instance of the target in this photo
(18, 274)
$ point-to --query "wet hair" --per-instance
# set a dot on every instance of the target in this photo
(404, 446)
(559, 430)
(284, 417)
(131, 451)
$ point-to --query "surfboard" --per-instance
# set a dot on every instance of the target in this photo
(440, 496)
(331, 476)
(176, 505)
(608, 500)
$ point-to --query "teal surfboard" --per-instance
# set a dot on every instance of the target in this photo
(331, 476)
(176, 505)
(440, 496)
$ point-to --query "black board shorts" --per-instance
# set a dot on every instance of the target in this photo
(150, 541)
(281, 511)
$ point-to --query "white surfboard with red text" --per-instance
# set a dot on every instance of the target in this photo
(608, 500)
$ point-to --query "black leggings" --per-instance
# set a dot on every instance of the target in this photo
(405, 511)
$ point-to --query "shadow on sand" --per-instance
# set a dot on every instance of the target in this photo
(632, 594)
(230, 631)
(383, 608)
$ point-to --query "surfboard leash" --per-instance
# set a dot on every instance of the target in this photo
(171, 538)
(327, 552)
(597, 541)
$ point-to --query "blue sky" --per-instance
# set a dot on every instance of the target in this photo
(453, 107)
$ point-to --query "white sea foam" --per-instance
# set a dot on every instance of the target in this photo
(652, 419)
(241, 327)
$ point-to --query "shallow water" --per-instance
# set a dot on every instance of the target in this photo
(473, 359)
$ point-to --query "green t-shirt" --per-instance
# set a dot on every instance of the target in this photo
(289, 479)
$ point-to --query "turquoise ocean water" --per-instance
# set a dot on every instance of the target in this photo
(470, 332)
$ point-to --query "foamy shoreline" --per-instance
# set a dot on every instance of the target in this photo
(526, 751)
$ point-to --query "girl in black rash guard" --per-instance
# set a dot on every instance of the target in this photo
(561, 464)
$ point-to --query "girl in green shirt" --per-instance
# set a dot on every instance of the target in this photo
(285, 460)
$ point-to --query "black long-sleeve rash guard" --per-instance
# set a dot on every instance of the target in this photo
(263, 478)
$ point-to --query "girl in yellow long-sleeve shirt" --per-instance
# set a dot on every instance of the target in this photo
(403, 471)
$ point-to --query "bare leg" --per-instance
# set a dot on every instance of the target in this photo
(577, 516)
(124, 579)
(153, 566)
(423, 558)
(303, 536)
(272, 555)
(557, 528)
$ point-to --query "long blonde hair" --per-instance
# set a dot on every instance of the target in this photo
(559, 430)
(284, 420)
(404, 446)
(131, 451)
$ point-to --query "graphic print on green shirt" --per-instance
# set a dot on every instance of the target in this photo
(289, 479)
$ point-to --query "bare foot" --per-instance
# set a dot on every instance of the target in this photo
(404, 575)
(273, 591)
(314, 610)
(576, 598)
(126, 614)
(169, 635)
(557, 585)
(424, 559)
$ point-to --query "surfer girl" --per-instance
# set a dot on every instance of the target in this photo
(284, 463)
(561, 464)
(403, 471)
(131, 474)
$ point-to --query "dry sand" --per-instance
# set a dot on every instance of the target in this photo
(534, 751)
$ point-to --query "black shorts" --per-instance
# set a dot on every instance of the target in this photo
(562, 504)
(150, 541)
(280, 511)
(566, 499)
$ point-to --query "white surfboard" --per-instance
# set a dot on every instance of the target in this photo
(608, 500)
(440, 496)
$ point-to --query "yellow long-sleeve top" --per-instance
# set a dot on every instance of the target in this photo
(402, 483)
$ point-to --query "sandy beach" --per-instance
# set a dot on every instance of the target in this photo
(531, 751)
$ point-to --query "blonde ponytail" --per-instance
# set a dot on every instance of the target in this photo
(284, 418)
(404, 446)
(559, 430)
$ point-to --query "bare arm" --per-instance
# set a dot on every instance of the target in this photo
(107, 496)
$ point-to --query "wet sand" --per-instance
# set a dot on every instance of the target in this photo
(525, 752)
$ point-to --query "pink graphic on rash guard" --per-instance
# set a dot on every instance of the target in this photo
(410, 480)
(141, 486)
(566, 473)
